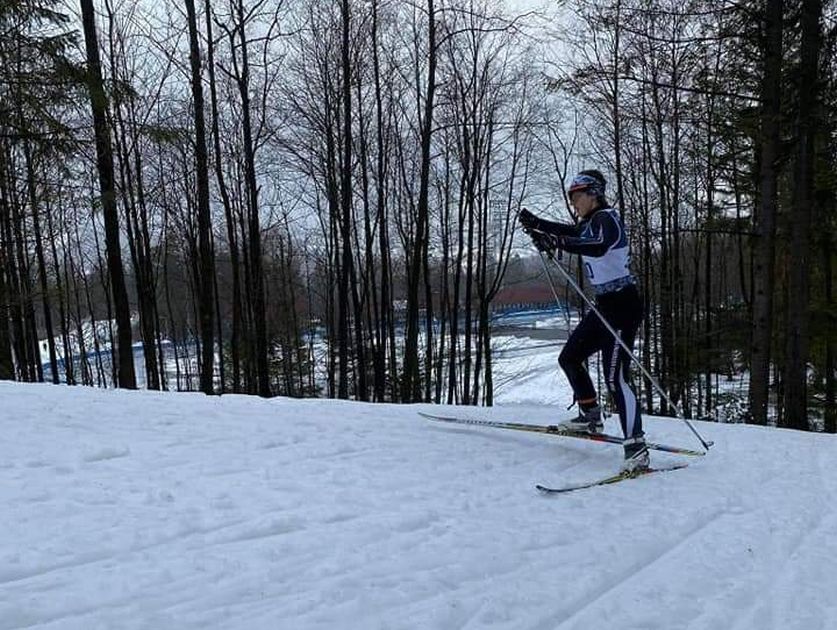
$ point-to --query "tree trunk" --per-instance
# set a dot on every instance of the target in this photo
(207, 263)
(258, 302)
(831, 342)
(63, 315)
(42, 266)
(6, 364)
(411, 390)
(617, 118)
(764, 248)
(29, 339)
(798, 311)
(383, 324)
(235, 264)
(104, 161)
(369, 297)
(348, 276)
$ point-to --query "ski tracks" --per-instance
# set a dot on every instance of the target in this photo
(746, 561)
(570, 616)
(796, 555)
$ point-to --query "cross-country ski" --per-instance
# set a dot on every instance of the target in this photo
(607, 481)
(556, 430)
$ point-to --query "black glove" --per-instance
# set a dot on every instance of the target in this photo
(544, 242)
(528, 220)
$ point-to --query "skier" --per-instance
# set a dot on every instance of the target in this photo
(600, 239)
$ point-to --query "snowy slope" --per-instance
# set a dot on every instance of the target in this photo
(177, 511)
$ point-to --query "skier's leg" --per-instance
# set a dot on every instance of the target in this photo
(626, 308)
(584, 341)
(618, 382)
(617, 376)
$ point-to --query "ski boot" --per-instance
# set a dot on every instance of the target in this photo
(636, 455)
(587, 421)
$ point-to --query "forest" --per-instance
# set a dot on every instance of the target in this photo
(320, 198)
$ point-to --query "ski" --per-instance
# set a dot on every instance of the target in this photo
(557, 430)
(608, 480)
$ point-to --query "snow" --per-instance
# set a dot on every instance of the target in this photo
(141, 510)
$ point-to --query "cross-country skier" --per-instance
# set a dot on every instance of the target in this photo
(600, 239)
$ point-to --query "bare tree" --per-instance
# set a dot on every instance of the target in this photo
(104, 160)
(411, 385)
(206, 305)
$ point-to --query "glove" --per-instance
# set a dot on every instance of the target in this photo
(528, 220)
(544, 242)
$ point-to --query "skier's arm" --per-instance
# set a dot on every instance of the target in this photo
(531, 223)
(606, 233)
(556, 228)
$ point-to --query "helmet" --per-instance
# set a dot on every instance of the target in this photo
(591, 181)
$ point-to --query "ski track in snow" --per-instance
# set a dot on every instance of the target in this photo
(141, 510)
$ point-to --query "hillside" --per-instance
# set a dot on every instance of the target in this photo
(138, 510)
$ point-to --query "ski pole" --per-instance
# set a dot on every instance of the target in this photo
(618, 339)
(559, 254)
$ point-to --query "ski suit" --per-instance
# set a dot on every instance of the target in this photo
(601, 241)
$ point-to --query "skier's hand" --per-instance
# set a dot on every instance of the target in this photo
(528, 220)
(546, 243)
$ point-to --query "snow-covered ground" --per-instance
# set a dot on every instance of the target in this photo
(178, 511)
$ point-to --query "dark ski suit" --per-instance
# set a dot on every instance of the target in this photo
(601, 241)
